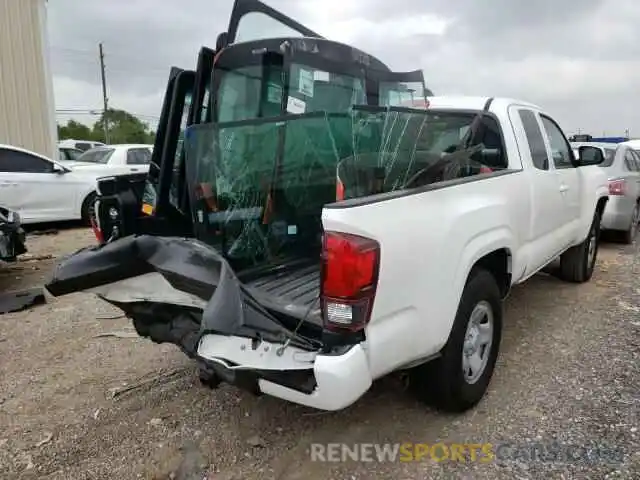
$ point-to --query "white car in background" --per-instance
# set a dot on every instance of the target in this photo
(622, 166)
(82, 145)
(44, 190)
(114, 159)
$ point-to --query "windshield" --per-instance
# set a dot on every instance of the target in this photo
(70, 153)
(609, 155)
(258, 187)
(407, 94)
(96, 155)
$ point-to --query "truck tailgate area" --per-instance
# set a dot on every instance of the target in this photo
(151, 277)
(293, 292)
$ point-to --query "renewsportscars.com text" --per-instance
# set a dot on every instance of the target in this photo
(465, 452)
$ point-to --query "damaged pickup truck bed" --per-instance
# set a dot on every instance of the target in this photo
(397, 257)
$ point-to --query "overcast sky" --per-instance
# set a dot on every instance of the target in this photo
(578, 59)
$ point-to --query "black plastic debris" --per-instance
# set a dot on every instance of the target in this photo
(17, 301)
(12, 235)
(187, 265)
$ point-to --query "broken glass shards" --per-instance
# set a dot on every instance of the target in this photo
(258, 186)
(267, 181)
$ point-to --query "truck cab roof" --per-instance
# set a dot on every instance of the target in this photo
(465, 102)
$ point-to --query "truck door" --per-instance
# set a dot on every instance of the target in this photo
(139, 203)
(252, 20)
(566, 174)
(547, 205)
(196, 110)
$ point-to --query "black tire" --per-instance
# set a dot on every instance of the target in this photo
(88, 207)
(441, 383)
(577, 263)
(208, 378)
(630, 235)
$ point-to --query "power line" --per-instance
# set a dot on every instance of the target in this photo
(86, 57)
(89, 58)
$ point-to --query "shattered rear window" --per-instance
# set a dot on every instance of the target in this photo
(258, 186)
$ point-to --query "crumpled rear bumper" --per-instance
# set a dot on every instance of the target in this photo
(325, 382)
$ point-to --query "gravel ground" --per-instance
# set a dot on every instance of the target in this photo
(568, 372)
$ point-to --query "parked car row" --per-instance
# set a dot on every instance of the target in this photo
(115, 159)
(41, 189)
(622, 167)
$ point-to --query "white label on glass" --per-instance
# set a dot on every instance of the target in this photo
(320, 76)
(292, 229)
(296, 106)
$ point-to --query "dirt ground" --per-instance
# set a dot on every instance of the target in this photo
(568, 371)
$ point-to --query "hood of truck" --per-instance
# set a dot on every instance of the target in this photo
(148, 276)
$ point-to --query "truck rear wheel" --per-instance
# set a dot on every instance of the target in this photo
(458, 379)
(577, 263)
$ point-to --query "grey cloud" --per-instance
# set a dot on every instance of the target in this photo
(481, 52)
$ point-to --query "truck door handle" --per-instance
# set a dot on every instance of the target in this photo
(135, 169)
(564, 188)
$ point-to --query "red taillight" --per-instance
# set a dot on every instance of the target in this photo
(349, 278)
(617, 187)
(484, 169)
(96, 230)
(339, 190)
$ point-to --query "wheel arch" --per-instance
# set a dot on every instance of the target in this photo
(92, 194)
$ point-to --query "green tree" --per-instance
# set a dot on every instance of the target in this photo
(75, 130)
(123, 128)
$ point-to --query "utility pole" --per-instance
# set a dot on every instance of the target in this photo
(104, 94)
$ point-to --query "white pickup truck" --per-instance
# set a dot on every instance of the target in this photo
(412, 272)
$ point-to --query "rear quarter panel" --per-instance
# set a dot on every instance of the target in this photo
(429, 243)
(593, 186)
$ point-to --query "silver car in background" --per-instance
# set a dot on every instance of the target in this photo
(622, 165)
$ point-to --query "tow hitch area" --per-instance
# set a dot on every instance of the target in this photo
(175, 290)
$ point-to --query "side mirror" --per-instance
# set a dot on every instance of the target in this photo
(59, 169)
(588, 155)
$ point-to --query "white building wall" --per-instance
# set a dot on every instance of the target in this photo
(27, 108)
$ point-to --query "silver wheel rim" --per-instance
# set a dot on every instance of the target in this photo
(478, 338)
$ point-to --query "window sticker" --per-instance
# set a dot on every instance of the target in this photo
(320, 76)
(296, 106)
(305, 82)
